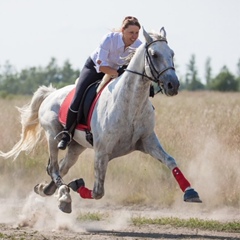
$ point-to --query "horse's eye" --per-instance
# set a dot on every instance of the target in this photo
(154, 55)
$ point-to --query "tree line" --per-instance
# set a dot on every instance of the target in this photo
(224, 81)
(27, 81)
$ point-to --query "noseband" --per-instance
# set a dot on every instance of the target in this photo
(153, 70)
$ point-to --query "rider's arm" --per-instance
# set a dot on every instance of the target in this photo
(108, 70)
(102, 58)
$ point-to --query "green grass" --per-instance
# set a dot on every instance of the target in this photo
(95, 216)
(212, 225)
(2, 235)
(193, 223)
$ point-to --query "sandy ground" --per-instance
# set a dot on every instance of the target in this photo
(39, 218)
(131, 232)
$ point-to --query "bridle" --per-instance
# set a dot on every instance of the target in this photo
(153, 70)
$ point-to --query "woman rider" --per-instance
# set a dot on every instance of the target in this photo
(108, 58)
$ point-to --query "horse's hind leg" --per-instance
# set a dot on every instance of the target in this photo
(45, 189)
(71, 157)
(152, 146)
(57, 173)
(74, 150)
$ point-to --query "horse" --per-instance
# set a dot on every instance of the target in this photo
(122, 121)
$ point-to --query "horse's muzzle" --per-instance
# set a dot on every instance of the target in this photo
(170, 83)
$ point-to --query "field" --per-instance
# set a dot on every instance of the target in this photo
(201, 130)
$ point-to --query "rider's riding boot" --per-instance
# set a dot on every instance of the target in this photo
(68, 130)
(66, 139)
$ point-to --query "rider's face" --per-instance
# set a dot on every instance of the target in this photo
(130, 34)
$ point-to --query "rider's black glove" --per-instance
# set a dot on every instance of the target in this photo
(151, 91)
(121, 70)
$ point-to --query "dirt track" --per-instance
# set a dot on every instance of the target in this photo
(131, 232)
(39, 218)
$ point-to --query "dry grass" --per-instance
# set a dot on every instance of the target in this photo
(201, 130)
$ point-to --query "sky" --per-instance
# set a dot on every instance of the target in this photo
(34, 31)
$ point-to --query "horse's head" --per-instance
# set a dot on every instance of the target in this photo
(159, 66)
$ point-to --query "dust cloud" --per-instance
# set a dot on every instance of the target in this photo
(213, 173)
(206, 147)
(42, 214)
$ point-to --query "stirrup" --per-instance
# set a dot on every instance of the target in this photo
(62, 132)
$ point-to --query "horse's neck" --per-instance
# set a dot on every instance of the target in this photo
(132, 88)
(135, 81)
(138, 60)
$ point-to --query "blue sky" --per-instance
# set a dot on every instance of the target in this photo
(33, 31)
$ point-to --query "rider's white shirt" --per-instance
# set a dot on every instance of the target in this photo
(111, 51)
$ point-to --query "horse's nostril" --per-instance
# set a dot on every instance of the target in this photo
(170, 86)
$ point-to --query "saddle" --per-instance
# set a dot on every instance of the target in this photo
(88, 102)
(87, 105)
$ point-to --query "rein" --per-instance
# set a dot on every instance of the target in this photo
(152, 79)
(151, 65)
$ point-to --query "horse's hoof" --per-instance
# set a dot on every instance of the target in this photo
(65, 207)
(36, 189)
(65, 201)
(191, 196)
(50, 189)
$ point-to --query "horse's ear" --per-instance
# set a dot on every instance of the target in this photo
(147, 36)
(163, 32)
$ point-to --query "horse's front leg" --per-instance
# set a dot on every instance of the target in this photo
(100, 169)
(152, 146)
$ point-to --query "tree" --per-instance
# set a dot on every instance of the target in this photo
(8, 83)
(224, 81)
(52, 72)
(238, 68)
(192, 81)
(68, 75)
(238, 74)
(29, 79)
(208, 72)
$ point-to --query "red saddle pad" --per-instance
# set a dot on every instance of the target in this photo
(62, 116)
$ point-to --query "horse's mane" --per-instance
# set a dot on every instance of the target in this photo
(128, 58)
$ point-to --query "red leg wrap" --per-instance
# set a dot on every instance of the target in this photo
(85, 192)
(182, 181)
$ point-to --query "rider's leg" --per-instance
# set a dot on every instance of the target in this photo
(87, 76)
(68, 129)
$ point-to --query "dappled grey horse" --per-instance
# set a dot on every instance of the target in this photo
(123, 121)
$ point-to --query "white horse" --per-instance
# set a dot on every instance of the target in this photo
(123, 121)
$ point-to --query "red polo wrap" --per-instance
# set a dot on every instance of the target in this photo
(85, 192)
(182, 181)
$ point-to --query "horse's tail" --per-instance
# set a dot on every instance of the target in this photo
(31, 129)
